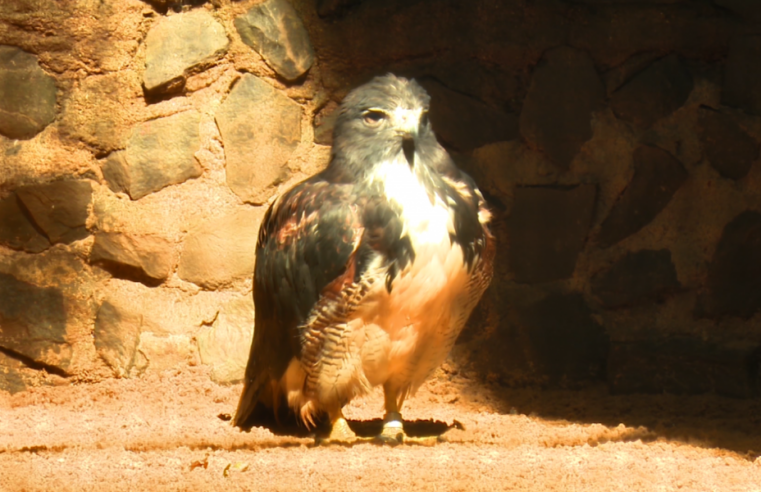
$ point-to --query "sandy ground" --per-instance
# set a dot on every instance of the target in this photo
(164, 432)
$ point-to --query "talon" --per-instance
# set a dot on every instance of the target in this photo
(340, 433)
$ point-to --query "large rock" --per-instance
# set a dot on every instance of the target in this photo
(729, 149)
(684, 366)
(654, 93)
(647, 275)
(33, 321)
(16, 231)
(225, 345)
(27, 94)
(221, 250)
(565, 344)
(465, 123)
(557, 112)
(275, 31)
(117, 334)
(101, 108)
(159, 153)
(657, 176)
(145, 258)
(742, 74)
(260, 129)
(161, 352)
(60, 209)
(547, 229)
(734, 276)
(178, 44)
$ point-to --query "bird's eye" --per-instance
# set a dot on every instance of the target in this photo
(373, 117)
(424, 118)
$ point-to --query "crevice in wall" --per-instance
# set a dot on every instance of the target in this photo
(33, 364)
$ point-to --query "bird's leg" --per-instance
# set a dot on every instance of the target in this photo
(393, 427)
(340, 432)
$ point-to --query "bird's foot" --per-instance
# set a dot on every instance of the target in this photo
(340, 433)
(393, 433)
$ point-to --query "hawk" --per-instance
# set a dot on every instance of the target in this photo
(366, 273)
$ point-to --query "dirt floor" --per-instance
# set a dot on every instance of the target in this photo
(168, 432)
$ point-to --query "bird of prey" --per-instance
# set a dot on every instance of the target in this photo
(366, 273)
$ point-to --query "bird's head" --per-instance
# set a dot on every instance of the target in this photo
(379, 119)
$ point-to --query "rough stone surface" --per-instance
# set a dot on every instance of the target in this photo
(16, 231)
(746, 9)
(27, 94)
(275, 31)
(465, 123)
(654, 93)
(729, 149)
(59, 209)
(144, 258)
(222, 249)
(657, 176)
(159, 153)
(742, 74)
(647, 275)
(178, 44)
(684, 366)
(102, 108)
(224, 346)
(10, 375)
(556, 117)
(116, 334)
(33, 319)
(160, 353)
(566, 345)
(260, 130)
(547, 229)
(734, 276)
(324, 122)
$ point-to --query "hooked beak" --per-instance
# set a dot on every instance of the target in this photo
(407, 122)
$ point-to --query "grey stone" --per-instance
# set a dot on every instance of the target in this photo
(221, 250)
(225, 345)
(159, 153)
(547, 229)
(729, 149)
(116, 171)
(144, 258)
(565, 90)
(11, 379)
(117, 334)
(465, 123)
(657, 176)
(654, 93)
(684, 366)
(275, 31)
(734, 275)
(27, 94)
(16, 229)
(565, 344)
(60, 209)
(646, 275)
(260, 130)
(742, 74)
(33, 320)
(178, 44)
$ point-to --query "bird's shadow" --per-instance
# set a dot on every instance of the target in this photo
(285, 423)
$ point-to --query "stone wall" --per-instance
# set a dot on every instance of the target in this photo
(617, 142)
